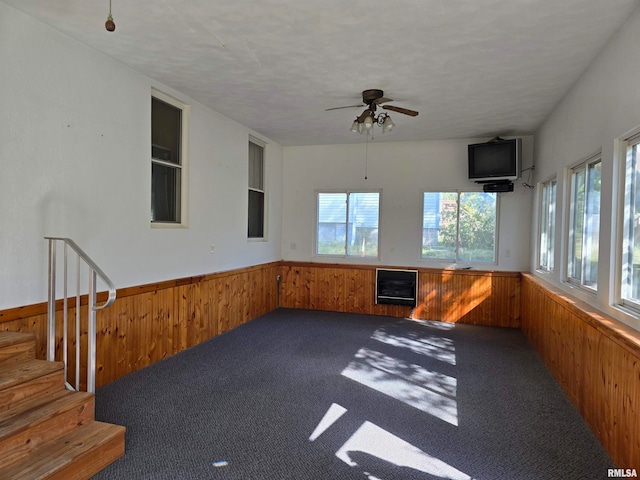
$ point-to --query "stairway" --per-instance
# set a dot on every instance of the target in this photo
(46, 431)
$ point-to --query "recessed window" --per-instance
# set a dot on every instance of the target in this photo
(630, 246)
(168, 160)
(459, 226)
(584, 224)
(256, 217)
(347, 224)
(547, 225)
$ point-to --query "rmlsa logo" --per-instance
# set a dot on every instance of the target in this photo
(622, 473)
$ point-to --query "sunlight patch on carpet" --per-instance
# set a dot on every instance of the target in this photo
(438, 348)
(375, 450)
(333, 414)
(407, 383)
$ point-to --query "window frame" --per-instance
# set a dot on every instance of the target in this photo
(457, 259)
(544, 208)
(582, 166)
(347, 192)
(185, 119)
(259, 143)
(627, 144)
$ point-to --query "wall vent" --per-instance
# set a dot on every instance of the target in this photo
(397, 287)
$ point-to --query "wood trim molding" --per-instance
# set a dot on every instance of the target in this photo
(444, 271)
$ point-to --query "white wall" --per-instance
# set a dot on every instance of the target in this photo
(75, 162)
(402, 170)
(603, 106)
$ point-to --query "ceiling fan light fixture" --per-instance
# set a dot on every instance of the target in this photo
(387, 125)
(368, 119)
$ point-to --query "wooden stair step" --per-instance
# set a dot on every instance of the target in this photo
(16, 347)
(31, 403)
(29, 379)
(14, 374)
(75, 456)
(23, 430)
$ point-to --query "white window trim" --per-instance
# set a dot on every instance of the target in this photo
(184, 164)
(541, 186)
(627, 305)
(572, 283)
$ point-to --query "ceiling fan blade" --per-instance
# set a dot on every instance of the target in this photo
(346, 106)
(405, 111)
(380, 100)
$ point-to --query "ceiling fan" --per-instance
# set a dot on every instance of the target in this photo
(372, 99)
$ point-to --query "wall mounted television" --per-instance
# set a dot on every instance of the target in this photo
(495, 161)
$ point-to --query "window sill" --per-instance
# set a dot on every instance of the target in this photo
(167, 226)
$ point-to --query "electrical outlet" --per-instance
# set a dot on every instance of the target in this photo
(213, 248)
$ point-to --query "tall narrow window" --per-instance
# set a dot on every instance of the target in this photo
(584, 224)
(547, 225)
(459, 226)
(256, 190)
(167, 160)
(347, 224)
(630, 248)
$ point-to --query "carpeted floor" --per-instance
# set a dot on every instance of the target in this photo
(298, 394)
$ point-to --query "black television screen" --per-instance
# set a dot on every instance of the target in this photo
(495, 161)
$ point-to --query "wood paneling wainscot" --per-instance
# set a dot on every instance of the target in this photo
(150, 322)
(457, 296)
(594, 358)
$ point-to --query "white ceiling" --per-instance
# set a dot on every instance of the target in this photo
(473, 68)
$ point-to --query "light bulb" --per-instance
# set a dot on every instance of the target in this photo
(387, 125)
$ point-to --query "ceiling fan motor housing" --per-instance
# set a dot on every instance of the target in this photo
(370, 96)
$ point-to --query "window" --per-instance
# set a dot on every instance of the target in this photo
(630, 281)
(168, 159)
(547, 225)
(584, 224)
(459, 226)
(256, 190)
(347, 224)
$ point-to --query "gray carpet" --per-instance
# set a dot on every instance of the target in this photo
(399, 399)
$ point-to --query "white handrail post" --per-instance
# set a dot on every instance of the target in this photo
(65, 314)
(77, 325)
(51, 303)
(91, 334)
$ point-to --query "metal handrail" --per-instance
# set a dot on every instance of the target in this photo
(94, 272)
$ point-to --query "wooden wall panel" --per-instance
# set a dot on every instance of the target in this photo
(147, 323)
(465, 296)
(337, 288)
(595, 359)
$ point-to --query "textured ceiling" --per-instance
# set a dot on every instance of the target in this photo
(473, 68)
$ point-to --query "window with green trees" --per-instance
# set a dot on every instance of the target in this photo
(630, 244)
(459, 226)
